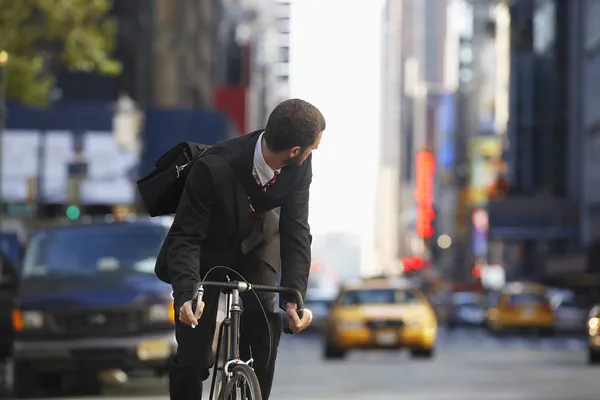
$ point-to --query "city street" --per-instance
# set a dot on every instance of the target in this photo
(468, 365)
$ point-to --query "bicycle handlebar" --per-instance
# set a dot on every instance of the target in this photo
(245, 287)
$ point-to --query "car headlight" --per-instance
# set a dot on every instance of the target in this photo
(27, 320)
(350, 325)
(593, 324)
(161, 313)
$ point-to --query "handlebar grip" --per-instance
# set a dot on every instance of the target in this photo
(286, 321)
(198, 301)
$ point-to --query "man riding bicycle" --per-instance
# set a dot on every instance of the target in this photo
(236, 197)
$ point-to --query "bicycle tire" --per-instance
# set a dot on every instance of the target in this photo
(244, 374)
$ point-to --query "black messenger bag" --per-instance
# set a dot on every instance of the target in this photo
(162, 188)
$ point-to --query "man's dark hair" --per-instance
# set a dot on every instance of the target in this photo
(293, 123)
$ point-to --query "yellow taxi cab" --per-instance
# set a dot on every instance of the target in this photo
(593, 327)
(380, 313)
(521, 306)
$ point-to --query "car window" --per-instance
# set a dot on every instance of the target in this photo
(378, 296)
(528, 298)
(572, 302)
(492, 299)
(8, 273)
(466, 298)
(94, 249)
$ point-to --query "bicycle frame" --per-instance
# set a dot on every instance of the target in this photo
(229, 330)
(230, 327)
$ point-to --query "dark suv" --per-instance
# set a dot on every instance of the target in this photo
(8, 291)
(90, 302)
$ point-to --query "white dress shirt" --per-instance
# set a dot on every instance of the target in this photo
(261, 171)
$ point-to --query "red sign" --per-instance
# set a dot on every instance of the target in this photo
(231, 100)
(425, 170)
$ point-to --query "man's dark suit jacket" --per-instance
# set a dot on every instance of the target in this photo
(212, 222)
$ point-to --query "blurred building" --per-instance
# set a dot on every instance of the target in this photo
(479, 31)
(282, 70)
(548, 222)
(192, 54)
(538, 218)
(418, 116)
(388, 246)
(198, 70)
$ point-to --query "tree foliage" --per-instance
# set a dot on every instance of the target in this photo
(41, 35)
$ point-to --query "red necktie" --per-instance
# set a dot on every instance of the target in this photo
(270, 183)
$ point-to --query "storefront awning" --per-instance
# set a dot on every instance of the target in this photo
(522, 233)
(533, 217)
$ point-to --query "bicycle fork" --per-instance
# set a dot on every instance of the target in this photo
(229, 330)
(220, 369)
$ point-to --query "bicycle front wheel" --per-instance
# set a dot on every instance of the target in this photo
(243, 385)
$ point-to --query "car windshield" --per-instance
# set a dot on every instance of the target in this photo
(89, 250)
(466, 298)
(378, 296)
(528, 298)
(572, 302)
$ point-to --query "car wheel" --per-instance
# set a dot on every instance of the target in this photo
(547, 332)
(496, 330)
(422, 353)
(89, 384)
(82, 383)
(593, 356)
(332, 352)
(25, 381)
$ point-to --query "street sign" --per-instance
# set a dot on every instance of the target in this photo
(18, 209)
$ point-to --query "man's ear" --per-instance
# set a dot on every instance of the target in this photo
(295, 151)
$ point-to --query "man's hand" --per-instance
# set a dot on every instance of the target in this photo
(186, 314)
(297, 324)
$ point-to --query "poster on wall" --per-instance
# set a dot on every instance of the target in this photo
(111, 171)
(485, 159)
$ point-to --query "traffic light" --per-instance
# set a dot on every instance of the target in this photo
(413, 263)
(476, 271)
(73, 212)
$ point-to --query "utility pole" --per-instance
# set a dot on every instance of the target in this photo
(54, 95)
(77, 173)
(3, 63)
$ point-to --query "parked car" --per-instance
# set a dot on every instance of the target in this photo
(11, 247)
(9, 283)
(380, 313)
(570, 314)
(521, 306)
(593, 330)
(467, 310)
(89, 301)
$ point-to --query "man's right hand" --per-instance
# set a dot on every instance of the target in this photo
(186, 313)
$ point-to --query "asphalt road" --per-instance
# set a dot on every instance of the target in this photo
(467, 366)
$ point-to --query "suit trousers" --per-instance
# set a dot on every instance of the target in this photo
(259, 338)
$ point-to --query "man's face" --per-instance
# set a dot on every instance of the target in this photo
(297, 156)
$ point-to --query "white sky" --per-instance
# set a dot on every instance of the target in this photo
(335, 64)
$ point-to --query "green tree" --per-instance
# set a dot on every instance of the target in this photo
(40, 35)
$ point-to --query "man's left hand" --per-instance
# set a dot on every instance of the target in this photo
(297, 324)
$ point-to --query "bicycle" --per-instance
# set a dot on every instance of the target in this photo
(234, 373)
